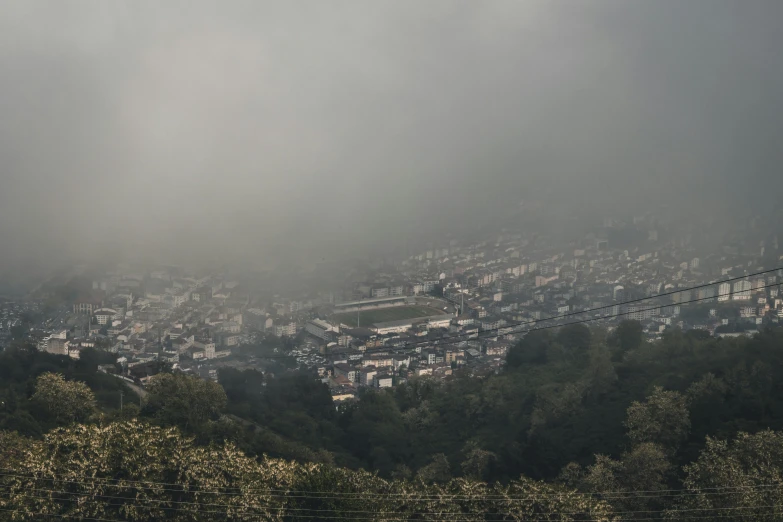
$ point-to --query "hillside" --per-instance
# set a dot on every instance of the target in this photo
(599, 415)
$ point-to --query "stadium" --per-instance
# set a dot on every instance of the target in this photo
(394, 314)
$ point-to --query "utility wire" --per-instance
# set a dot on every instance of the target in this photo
(492, 332)
(411, 500)
(288, 493)
(593, 319)
(458, 517)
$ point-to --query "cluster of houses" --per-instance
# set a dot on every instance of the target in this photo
(480, 294)
(153, 316)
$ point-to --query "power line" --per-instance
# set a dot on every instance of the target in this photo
(638, 300)
(591, 319)
(621, 314)
(632, 301)
(397, 515)
(509, 501)
(497, 331)
(287, 493)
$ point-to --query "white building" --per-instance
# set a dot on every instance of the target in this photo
(285, 329)
(748, 311)
(179, 299)
(388, 327)
(742, 291)
(321, 329)
(207, 346)
(57, 346)
(383, 381)
(380, 292)
(724, 292)
(105, 316)
(439, 321)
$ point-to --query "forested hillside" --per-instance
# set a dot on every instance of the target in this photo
(564, 396)
(692, 421)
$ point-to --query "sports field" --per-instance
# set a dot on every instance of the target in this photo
(382, 315)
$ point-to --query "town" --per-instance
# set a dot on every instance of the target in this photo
(452, 308)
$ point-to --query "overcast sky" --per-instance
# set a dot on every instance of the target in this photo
(245, 129)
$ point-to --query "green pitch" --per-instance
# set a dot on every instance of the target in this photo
(382, 315)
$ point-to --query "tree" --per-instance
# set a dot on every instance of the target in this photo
(574, 337)
(12, 449)
(116, 472)
(532, 349)
(183, 400)
(438, 470)
(376, 422)
(555, 401)
(477, 461)
(644, 468)
(662, 419)
(600, 375)
(708, 388)
(401, 472)
(743, 478)
(91, 358)
(241, 385)
(136, 472)
(64, 401)
(627, 337)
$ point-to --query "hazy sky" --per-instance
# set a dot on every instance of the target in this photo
(250, 128)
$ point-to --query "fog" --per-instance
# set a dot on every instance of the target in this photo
(259, 131)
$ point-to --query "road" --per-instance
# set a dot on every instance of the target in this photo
(138, 390)
(141, 392)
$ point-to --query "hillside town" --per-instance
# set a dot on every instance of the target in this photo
(452, 308)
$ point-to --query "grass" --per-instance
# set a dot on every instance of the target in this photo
(382, 315)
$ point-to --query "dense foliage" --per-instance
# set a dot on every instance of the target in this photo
(604, 415)
(22, 365)
(136, 472)
(568, 395)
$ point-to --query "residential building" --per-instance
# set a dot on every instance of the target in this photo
(742, 290)
(86, 307)
(453, 355)
(384, 381)
(196, 353)
(207, 346)
(347, 371)
(639, 312)
(57, 346)
(748, 311)
(378, 361)
(367, 375)
(105, 316)
(202, 294)
(321, 329)
(724, 292)
(288, 330)
(380, 292)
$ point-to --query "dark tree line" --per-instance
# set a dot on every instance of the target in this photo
(20, 367)
(591, 410)
(563, 397)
